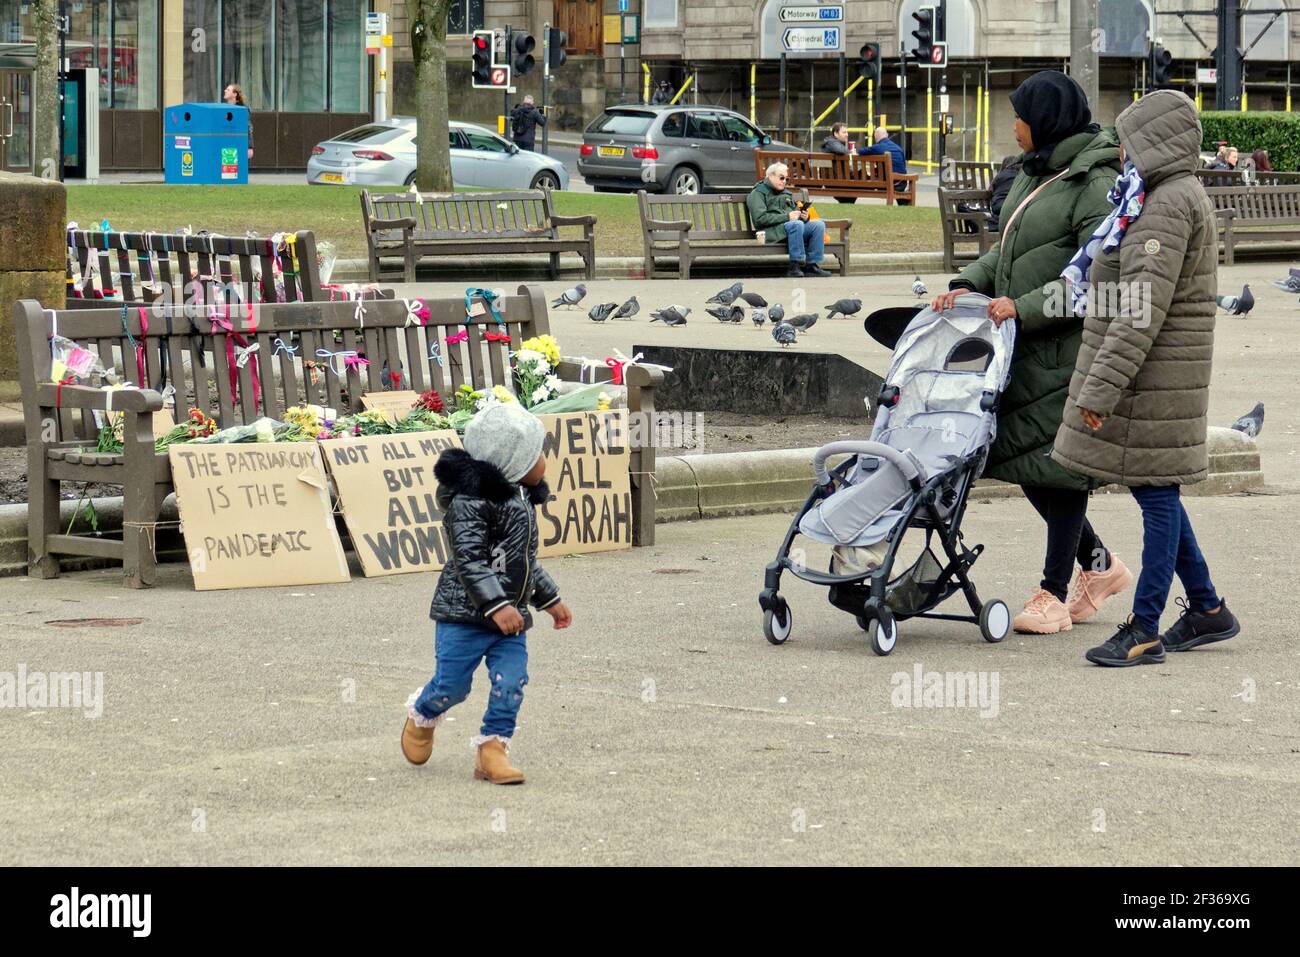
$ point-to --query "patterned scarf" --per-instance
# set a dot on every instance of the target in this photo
(1127, 194)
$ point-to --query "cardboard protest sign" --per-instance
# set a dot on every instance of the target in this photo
(256, 514)
(163, 422)
(590, 509)
(394, 405)
(388, 495)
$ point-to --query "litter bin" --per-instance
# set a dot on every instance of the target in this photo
(205, 143)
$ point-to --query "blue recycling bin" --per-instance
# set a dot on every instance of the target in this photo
(205, 143)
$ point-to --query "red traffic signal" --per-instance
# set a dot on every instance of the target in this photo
(481, 59)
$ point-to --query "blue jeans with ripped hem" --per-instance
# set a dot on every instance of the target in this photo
(459, 647)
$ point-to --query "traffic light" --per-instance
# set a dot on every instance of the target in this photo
(520, 50)
(1161, 62)
(481, 44)
(869, 66)
(556, 41)
(924, 34)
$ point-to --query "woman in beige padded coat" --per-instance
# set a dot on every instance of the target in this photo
(1138, 397)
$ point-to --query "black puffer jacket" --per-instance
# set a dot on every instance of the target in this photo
(492, 527)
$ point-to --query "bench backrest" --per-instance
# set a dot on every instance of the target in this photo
(196, 362)
(1238, 177)
(525, 214)
(967, 174)
(1268, 204)
(824, 170)
(138, 268)
(713, 216)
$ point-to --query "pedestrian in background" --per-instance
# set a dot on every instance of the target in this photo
(234, 95)
(524, 120)
(662, 95)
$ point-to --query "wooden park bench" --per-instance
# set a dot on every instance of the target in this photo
(713, 225)
(846, 178)
(414, 227)
(135, 269)
(965, 216)
(1246, 177)
(1255, 214)
(62, 432)
(966, 174)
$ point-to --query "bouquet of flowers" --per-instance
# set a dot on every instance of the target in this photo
(197, 425)
(534, 365)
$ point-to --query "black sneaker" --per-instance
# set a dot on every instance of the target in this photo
(1131, 645)
(1195, 628)
(815, 270)
(795, 271)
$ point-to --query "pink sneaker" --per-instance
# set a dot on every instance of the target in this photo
(1044, 614)
(1091, 589)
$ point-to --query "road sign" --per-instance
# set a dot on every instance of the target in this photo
(376, 28)
(938, 56)
(810, 39)
(824, 14)
(1206, 75)
(499, 76)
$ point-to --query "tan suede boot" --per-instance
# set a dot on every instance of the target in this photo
(493, 764)
(417, 742)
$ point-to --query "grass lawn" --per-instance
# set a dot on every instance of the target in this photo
(334, 213)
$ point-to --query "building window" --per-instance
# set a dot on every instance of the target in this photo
(660, 13)
(464, 17)
(294, 56)
(1122, 27)
(120, 39)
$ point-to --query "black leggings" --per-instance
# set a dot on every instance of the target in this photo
(1070, 537)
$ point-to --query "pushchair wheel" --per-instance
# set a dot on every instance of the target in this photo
(995, 620)
(777, 623)
(882, 630)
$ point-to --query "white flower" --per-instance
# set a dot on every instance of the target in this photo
(541, 394)
(542, 367)
(528, 355)
(553, 383)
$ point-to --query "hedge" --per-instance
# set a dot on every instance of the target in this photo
(1279, 133)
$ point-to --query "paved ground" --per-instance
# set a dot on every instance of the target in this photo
(1256, 358)
(661, 728)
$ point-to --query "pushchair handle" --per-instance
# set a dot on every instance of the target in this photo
(911, 469)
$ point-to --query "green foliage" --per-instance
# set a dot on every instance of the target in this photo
(1279, 133)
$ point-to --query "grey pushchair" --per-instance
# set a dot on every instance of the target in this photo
(935, 420)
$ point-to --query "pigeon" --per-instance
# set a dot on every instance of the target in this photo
(628, 309)
(784, 333)
(843, 307)
(600, 312)
(737, 314)
(759, 317)
(776, 313)
(721, 313)
(918, 287)
(728, 295)
(570, 297)
(1238, 305)
(1252, 423)
(671, 315)
(754, 299)
(804, 322)
(1291, 283)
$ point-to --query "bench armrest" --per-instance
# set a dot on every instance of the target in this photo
(48, 395)
(587, 220)
(404, 224)
(1227, 214)
(575, 372)
(643, 377)
(843, 225)
(680, 225)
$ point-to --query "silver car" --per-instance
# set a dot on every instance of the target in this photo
(673, 149)
(383, 154)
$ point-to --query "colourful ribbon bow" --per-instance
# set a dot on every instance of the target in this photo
(489, 300)
(244, 353)
(417, 313)
(282, 346)
(497, 336)
(104, 228)
(616, 367)
(435, 354)
(340, 362)
(455, 337)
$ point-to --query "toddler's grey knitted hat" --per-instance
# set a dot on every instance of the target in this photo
(508, 436)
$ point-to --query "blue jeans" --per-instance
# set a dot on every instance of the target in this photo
(459, 648)
(1168, 546)
(811, 235)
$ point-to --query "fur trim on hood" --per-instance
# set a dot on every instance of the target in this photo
(459, 473)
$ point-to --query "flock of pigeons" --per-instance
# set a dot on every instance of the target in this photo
(728, 305)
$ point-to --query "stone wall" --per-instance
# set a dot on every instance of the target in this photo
(33, 257)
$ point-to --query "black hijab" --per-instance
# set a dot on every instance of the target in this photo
(1055, 108)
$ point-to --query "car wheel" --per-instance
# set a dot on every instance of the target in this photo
(410, 179)
(546, 180)
(685, 181)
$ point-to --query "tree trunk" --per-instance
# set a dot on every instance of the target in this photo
(1085, 47)
(46, 161)
(429, 52)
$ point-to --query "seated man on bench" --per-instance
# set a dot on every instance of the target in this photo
(884, 146)
(774, 210)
